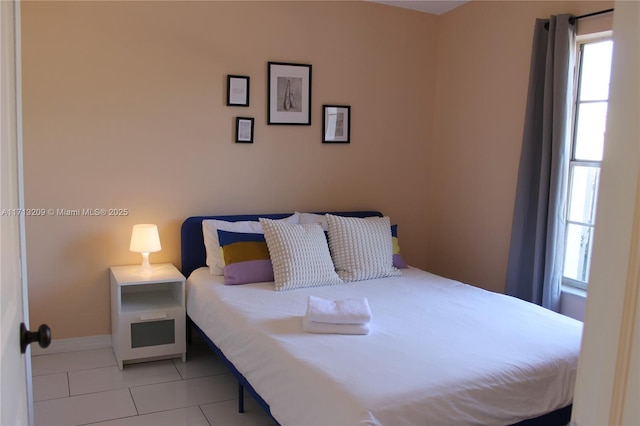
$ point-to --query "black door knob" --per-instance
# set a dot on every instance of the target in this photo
(42, 336)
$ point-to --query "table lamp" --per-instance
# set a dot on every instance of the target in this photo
(145, 240)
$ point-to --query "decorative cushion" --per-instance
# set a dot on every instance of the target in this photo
(299, 255)
(313, 218)
(246, 258)
(398, 260)
(210, 228)
(361, 249)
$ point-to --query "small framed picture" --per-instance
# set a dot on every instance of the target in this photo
(336, 124)
(244, 129)
(289, 93)
(237, 90)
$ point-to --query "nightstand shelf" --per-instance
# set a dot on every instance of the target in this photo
(157, 297)
(147, 313)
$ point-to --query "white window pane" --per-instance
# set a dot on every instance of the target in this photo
(577, 257)
(592, 121)
(596, 67)
(584, 187)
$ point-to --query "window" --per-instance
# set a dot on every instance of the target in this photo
(589, 123)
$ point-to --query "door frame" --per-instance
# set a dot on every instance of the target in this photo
(11, 16)
(21, 202)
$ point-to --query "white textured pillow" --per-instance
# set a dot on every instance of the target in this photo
(314, 218)
(299, 255)
(210, 227)
(361, 248)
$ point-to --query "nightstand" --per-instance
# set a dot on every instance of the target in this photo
(147, 313)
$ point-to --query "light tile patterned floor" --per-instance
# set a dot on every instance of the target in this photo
(86, 387)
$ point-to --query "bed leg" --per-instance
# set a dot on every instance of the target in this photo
(240, 398)
(189, 330)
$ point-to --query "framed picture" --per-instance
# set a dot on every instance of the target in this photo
(244, 129)
(336, 124)
(289, 94)
(237, 90)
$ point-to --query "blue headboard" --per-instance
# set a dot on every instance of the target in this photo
(192, 248)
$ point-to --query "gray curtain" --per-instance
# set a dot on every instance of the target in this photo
(534, 271)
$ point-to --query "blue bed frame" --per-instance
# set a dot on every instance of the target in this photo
(194, 256)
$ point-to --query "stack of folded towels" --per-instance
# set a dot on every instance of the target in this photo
(343, 316)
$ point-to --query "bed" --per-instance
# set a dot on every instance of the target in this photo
(439, 351)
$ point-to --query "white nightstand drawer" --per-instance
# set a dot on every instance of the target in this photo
(152, 334)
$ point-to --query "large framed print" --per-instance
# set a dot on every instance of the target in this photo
(289, 94)
(336, 124)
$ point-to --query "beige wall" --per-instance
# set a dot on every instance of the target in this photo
(484, 51)
(124, 107)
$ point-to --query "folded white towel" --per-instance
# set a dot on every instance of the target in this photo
(342, 311)
(327, 328)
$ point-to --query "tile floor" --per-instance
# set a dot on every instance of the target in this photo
(86, 387)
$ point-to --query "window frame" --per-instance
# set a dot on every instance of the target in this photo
(573, 162)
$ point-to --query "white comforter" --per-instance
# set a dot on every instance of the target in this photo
(439, 352)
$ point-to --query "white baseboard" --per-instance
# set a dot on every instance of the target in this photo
(73, 344)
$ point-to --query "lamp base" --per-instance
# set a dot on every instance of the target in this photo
(145, 268)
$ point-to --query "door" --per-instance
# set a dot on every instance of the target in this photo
(16, 402)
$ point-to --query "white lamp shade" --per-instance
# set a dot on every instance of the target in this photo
(145, 238)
